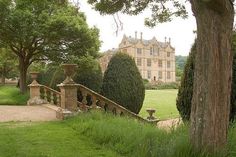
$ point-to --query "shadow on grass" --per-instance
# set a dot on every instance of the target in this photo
(10, 95)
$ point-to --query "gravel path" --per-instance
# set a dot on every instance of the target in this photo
(168, 124)
(26, 113)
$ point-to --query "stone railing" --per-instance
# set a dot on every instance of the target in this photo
(73, 97)
(50, 95)
(92, 100)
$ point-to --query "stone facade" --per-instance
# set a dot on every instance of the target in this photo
(155, 60)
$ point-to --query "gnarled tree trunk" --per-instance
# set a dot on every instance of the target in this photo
(212, 79)
(23, 66)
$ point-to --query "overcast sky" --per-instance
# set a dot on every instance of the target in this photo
(180, 31)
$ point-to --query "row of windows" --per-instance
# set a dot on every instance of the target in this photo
(149, 62)
(152, 51)
(149, 75)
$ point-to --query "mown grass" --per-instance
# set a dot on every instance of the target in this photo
(164, 101)
(53, 139)
(97, 134)
(10, 95)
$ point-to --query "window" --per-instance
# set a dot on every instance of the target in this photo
(160, 63)
(168, 64)
(149, 74)
(139, 62)
(168, 54)
(149, 62)
(156, 51)
(151, 50)
(159, 75)
(139, 51)
(168, 75)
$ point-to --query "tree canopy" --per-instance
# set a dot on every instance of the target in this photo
(45, 29)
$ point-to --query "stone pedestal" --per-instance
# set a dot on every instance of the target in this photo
(34, 90)
(68, 96)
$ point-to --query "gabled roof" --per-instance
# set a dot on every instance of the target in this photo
(146, 42)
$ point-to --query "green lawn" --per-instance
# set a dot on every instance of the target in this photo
(53, 139)
(164, 101)
(10, 95)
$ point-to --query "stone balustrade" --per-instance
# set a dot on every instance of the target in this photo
(92, 100)
(50, 95)
(73, 97)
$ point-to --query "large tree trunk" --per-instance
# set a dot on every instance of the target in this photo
(3, 80)
(23, 66)
(212, 75)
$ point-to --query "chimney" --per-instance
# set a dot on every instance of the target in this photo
(135, 35)
(141, 36)
(169, 40)
(165, 39)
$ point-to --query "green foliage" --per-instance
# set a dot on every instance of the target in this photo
(123, 83)
(89, 73)
(8, 63)
(171, 85)
(185, 93)
(162, 11)
(180, 63)
(45, 30)
(10, 95)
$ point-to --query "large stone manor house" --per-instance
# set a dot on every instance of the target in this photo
(155, 60)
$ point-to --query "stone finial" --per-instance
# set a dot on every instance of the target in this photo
(169, 40)
(69, 70)
(34, 76)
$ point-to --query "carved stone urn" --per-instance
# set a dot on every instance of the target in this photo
(34, 76)
(69, 70)
(151, 112)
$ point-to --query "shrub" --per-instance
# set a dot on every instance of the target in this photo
(185, 93)
(89, 73)
(123, 83)
(171, 85)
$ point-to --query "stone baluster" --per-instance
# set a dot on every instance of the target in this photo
(94, 101)
(58, 99)
(45, 96)
(84, 100)
(102, 103)
(52, 97)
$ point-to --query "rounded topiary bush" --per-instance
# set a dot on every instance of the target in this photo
(123, 83)
(185, 93)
